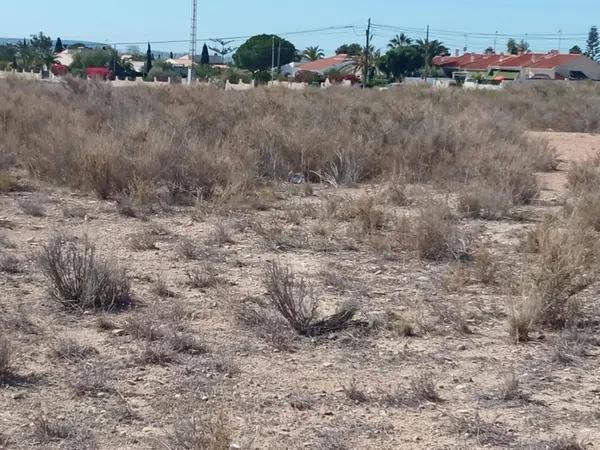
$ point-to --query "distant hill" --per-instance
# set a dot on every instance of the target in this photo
(65, 42)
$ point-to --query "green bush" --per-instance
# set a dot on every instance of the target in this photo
(262, 76)
(162, 75)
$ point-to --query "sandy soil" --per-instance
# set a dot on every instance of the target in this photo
(273, 398)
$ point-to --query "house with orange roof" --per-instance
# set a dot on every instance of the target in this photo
(341, 62)
(552, 66)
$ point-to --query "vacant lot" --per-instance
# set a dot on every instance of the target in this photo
(431, 284)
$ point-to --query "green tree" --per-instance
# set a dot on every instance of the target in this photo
(8, 52)
(349, 49)
(221, 48)
(313, 53)
(58, 46)
(429, 49)
(149, 58)
(400, 40)
(593, 44)
(369, 59)
(257, 52)
(575, 50)
(204, 57)
(512, 47)
(523, 46)
(399, 62)
(489, 51)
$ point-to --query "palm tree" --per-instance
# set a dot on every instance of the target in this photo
(429, 49)
(313, 53)
(400, 40)
(370, 63)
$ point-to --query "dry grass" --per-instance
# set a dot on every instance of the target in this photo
(354, 393)
(228, 147)
(565, 267)
(9, 264)
(195, 432)
(72, 350)
(79, 279)
(5, 356)
(436, 234)
(32, 208)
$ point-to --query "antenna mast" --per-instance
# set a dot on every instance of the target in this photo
(193, 35)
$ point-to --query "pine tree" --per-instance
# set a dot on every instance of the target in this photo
(204, 58)
(148, 59)
(593, 44)
(58, 46)
(171, 55)
(575, 50)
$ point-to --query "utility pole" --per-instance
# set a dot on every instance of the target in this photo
(560, 40)
(279, 57)
(366, 56)
(427, 53)
(495, 41)
(272, 56)
(193, 34)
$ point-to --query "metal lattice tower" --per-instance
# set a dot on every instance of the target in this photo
(193, 35)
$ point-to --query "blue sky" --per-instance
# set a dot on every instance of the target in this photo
(146, 20)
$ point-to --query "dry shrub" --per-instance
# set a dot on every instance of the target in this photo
(204, 277)
(72, 350)
(369, 218)
(195, 432)
(72, 430)
(166, 327)
(354, 393)
(221, 235)
(125, 206)
(521, 318)
(5, 356)
(484, 432)
(585, 210)
(32, 208)
(561, 443)
(565, 266)
(9, 264)
(584, 176)
(533, 238)
(270, 326)
(485, 266)
(422, 390)
(91, 378)
(435, 234)
(117, 143)
(569, 347)
(80, 279)
(393, 322)
(395, 192)
(142, 241)
(8, 183)
(484, 202)
(298, 306)
(189, 249)
(510, 389)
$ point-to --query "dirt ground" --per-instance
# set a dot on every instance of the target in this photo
(349, 390)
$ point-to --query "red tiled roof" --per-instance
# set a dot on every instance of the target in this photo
(518, 61)
(325, 63)
(477, 61)
(554, 60)
(483, 62)
(455, 61)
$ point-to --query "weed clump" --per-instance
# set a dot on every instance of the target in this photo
(79, 279)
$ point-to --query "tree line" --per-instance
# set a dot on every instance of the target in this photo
(403, 56)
